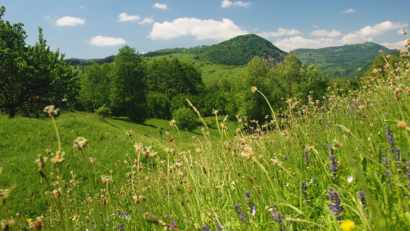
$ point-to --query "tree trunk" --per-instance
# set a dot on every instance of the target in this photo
(12, 113)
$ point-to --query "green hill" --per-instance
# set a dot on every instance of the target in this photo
(341, 61)
(237, 51)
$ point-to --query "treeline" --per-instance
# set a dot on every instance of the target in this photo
(164, 84)
(137, 88)
(82, 62)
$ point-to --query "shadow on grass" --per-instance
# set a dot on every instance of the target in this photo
(129, 121)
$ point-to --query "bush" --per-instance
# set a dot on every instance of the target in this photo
(185, 118)
(103, 112)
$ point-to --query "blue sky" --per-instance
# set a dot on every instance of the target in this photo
(98, 28)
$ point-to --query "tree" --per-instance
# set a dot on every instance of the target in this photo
(128, 93)
(31, 76)
(95, 86)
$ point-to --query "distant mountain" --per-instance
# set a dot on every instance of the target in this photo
(341, 61)
(237, 51)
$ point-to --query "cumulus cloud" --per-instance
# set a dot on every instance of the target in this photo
(365, 34)
(333, 33)
(227, 3)
(348, 11)
(396, 45)
(280, 32)
(160, 6)
(69, 21)
(106, 41)
(123, 17)
(201, 29)
(147, 20)
(240, 3)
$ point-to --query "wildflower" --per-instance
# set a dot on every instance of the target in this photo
(80, 143)
(172, 122)
(205, 228)
(254, 211)
(226, 118)
(348, 225)
(41, 161)
(350, 179)
(150, 218)
(360, 69)
(335, 204)
(239, 211)
(50, 110)
(58, 158)
(247, 152)
(401, 124)
(92, 161)
(48, 151)
(306, 157)
(129, 133)
(304, 190)
(215, 112)
(362, 198)
(404, 31)
(333, 163)
(254, 89)
(57, 193)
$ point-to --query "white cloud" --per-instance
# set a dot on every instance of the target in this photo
(396, 45)
(106, 41)
(280, 32)
(147, 20)
(333, 33)
(348, 11)
(69, 21)
(47, 17)
(82, 7)
(201, 29)
(226, 3)
(365, 34)
(240, 3)
(123, 17)
(160, 6)
(315, 26)
(256, 29)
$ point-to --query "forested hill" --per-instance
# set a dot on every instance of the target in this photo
(233, 52)
(341, 61)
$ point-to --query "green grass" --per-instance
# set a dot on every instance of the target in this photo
(241, 183)
(210, 71)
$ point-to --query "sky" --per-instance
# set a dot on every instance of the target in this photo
(98, 28)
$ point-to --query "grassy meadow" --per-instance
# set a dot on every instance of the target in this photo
(340, 163)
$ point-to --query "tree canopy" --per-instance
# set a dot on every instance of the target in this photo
(31, 76)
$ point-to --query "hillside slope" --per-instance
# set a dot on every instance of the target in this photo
(341, 61)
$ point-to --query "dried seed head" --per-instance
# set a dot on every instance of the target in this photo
(401, 124)
(254, 89)
(80, 143)
(51, 111)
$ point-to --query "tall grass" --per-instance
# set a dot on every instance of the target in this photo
(336, 163)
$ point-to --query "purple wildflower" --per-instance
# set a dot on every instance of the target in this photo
(334, 204)
(333, 163)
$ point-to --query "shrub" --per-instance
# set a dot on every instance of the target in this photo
(103, 112)
(185, 118)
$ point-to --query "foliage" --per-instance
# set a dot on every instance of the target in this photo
(158, 105)
(185, 119)
(31, 76)
(128, 93)
(341, 61)
(103, 112)
(96, 86)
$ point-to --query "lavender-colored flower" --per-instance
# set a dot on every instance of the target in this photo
(335, 204)
(325, 145)
(362, 198)
(205, 228)
(306, 157)
(239, 211)
(304, 189)
(333, 163)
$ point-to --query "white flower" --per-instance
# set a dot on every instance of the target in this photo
(350, 179)
(233, 183)
(287, 184)
(311, 180)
